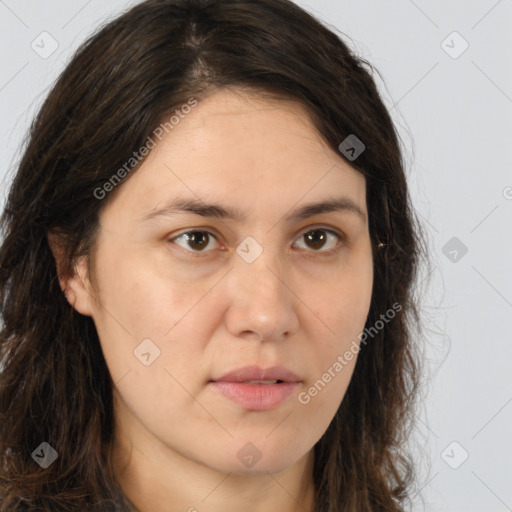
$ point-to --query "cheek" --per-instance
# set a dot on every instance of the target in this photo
(342, 304)
(319, 401)
(138, 304)
(339, 318)
(141, 295)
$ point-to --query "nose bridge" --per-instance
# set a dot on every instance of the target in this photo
(261, 302)
(259, 266)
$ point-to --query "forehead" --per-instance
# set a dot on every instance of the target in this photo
(245, 151)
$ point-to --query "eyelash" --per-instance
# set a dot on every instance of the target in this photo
(341, 238)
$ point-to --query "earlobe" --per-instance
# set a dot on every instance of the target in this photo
(77, 289)
(75, 286)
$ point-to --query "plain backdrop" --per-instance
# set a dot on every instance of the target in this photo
(447, 80)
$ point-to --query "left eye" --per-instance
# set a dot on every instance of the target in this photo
(317, 238)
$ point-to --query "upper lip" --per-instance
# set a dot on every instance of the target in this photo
(259, 374)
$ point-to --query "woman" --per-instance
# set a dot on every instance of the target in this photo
(206, 274)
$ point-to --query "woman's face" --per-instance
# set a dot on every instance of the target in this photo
(267, 288)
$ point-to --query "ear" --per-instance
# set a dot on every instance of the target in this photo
(76, 286)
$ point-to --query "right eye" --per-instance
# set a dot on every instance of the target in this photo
(196, 239)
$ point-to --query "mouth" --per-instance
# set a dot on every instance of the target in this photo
(256, 389)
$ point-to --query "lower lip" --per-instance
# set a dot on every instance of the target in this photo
(256, 397)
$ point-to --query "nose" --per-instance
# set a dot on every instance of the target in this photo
(263, 305)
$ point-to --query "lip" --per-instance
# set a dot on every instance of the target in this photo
(257, 397)
(257, 373)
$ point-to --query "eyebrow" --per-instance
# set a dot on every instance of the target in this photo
(198, 207)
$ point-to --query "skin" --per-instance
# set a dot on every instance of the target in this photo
(210, 312)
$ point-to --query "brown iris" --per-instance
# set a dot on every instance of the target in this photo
(199, 239)
(317, 238)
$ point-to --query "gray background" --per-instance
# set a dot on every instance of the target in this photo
(454, 113)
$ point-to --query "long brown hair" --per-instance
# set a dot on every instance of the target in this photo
(55, 386)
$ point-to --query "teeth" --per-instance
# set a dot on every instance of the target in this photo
(260, 382)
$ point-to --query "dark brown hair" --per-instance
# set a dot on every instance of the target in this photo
(55, 385)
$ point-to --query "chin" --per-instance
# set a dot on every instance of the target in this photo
(258, 458)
